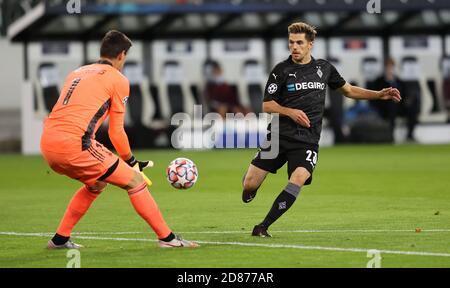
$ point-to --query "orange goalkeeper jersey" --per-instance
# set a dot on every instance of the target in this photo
(89, 95)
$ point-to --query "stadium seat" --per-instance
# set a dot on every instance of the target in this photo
(253, 80)
(154, 93)
(335, 111)
(175, 93)
(418, 91)
(446, 81)
(46, 88)
(365, 124)
(145, 123)
(431, 84)
(195, 92)
(372, 68)
(140, 105)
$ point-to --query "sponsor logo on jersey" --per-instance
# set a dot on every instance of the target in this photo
(305, 85)
(124, 101)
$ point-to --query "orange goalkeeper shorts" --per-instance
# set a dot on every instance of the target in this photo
(86, 166)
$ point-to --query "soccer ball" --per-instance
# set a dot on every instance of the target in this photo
(182, 173)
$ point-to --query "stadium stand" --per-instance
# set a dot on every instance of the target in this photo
(173, 40)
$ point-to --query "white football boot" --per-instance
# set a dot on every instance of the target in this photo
(177, 242)
(68, 245)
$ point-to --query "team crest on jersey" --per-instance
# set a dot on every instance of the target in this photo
(272, 88)
(124, 101)
(319, 72)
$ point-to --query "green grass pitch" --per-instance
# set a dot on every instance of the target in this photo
(362, 197)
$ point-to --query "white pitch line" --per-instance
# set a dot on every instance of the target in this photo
(274, 231)
(246, 232)
(302, 247)
(318, 231)
(27, 234)
(328, 248)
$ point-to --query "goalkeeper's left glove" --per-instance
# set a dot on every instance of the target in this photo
(140, 166)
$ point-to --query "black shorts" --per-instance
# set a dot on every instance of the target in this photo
(296, 154)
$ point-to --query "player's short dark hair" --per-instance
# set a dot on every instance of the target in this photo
(114, 43)
(301, 27)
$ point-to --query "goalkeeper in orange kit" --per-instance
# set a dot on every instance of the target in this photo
(90, 94)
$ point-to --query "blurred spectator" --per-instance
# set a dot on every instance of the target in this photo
(408, 107)
(220, 96)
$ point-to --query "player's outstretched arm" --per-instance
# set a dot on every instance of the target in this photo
(298, 116)
(118, 136)
(359, 93)
(120, 141)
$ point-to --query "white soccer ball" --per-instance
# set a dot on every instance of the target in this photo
(182, 173)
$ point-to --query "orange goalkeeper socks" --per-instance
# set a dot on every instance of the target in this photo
(146, 207)
(140, 197)
(78, 206)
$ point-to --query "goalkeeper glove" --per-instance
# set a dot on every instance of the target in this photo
(140, 166)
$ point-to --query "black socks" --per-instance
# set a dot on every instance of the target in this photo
(283, 202)
(169, 238)
(59, 239)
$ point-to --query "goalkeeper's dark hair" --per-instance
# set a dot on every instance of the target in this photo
(114, 43)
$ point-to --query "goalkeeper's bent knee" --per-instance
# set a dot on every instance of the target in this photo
(98, 188)
(124, 176)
